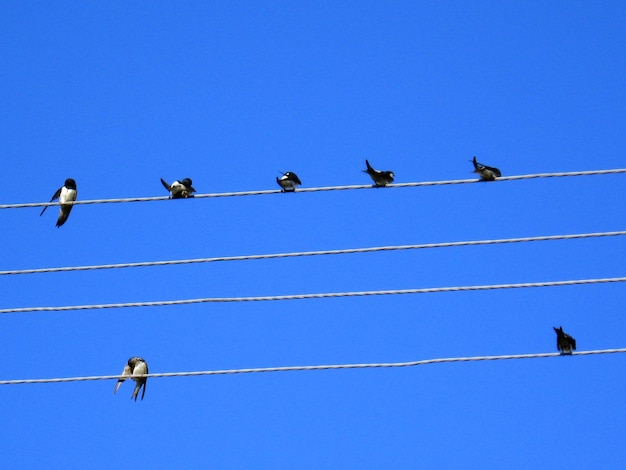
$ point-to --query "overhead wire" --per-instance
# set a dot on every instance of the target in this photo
(319, 189)
(314, 253)
(325, 295)
(315, 367)
(319, 295)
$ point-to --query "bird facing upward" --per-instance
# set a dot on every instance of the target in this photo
(564, 342)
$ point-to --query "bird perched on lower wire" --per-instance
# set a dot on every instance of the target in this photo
(288, 182)
(179, 189)
(487, 173)
(564, 342)
(135, 366)
(380, 178)
(66, 195)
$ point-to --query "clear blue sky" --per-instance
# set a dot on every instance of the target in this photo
(119, 94)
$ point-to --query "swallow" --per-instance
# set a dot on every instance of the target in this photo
(66, 195)
(380, 178)
(179, 189)
(564, 342)
(135, 366)
(288, 182)
(487, 173)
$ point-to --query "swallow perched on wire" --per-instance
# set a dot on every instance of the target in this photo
(288, 182)
(66, 195)
(135, 366)
(564, 342)
(179, 189)
(380, 178)
(487, 173)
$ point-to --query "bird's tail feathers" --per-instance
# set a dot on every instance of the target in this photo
(63, 215)
(117, 385)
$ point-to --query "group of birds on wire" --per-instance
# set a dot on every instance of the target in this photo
(288, 182)
(137, 368)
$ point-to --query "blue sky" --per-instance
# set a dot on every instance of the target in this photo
(118, 95)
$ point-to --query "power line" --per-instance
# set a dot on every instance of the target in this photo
(313, 253)
(319, 189)
(319, 367)
(428, 290)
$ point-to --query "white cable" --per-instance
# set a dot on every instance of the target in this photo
(311, 368)
(313, 253)
(327, 188)
(164, 303)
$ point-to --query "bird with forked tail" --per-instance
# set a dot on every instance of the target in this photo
(136, 366)
(66, 195)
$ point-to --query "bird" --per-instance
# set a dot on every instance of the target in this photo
(380, 178)
(487, 173)
(288, 182)
(564, 342)
(66, 195)
(179, 189)
(135, 366)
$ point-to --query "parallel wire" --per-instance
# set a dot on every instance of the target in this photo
(313, 253)
(311, 368)
(164, 303)
(326, 188)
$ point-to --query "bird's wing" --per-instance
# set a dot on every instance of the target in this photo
(494, 170)
(126, 373)
(141, 369)
(56, 196)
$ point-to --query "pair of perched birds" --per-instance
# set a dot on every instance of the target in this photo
(67, 193)
(383, 178)
(138, 367)
(289, 181)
